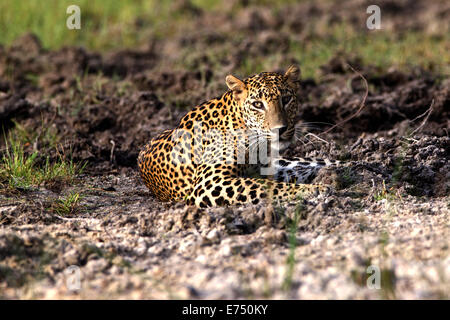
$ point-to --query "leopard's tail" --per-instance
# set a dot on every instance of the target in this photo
(303, 170)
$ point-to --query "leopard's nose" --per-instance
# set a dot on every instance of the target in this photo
(282, 130)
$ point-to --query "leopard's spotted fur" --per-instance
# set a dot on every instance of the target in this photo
(199, 160)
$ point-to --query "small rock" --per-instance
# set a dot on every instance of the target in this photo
(97, 265)
(322, 207)
(275, 236)
(72, 257)
(214, 236)
(225, 250)
(268, 215)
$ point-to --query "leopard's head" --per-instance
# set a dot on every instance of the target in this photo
(269, 103)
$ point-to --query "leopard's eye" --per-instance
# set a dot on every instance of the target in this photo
(258, 105)
(286, 99)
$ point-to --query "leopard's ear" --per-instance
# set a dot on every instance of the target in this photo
(237, 86)
(292, 75)
(234, 83)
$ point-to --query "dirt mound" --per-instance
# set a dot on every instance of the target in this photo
(108, 121)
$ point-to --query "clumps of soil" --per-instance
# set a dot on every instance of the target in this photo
(393, 98)
(108, 121)
(127, 244)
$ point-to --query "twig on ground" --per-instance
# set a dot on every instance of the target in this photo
(427, 113)
(318, 138)
(69, 219)
(111, 156)
(361, 106)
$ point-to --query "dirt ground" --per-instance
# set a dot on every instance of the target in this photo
(105, 106)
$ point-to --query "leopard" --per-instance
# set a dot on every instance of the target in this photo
(206, 159)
